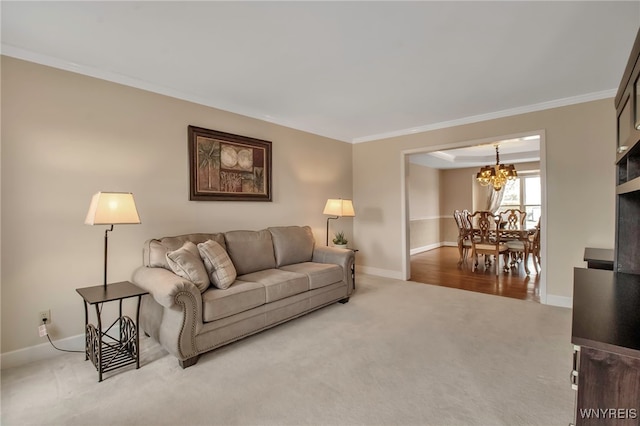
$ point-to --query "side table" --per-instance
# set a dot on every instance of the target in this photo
(353, 269)
(105, 351)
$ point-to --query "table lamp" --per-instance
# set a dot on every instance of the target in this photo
(338, 208)
(111, 208)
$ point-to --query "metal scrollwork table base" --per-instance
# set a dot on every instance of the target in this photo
(106, 351)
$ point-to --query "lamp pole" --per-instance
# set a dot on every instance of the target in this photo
(106, 244)
(328, 228)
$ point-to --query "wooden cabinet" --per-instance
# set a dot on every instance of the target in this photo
(606, 326)
(627, 102)
(606, 304)
(608, 388)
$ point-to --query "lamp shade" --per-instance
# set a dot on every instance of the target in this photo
(112, 208)
(339, 207)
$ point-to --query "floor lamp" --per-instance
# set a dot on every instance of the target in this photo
(338, 208)
(111, 208)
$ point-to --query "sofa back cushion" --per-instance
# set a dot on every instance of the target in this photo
(292, 244)
(154, 252)
(250, 251)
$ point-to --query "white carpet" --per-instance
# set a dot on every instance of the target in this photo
(399, 353)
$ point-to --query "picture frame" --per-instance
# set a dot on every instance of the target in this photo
(228, 167)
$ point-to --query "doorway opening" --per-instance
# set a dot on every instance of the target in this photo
(460, 162)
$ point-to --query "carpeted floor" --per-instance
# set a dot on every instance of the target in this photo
(399, 353)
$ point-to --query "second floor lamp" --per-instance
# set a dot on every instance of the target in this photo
(337, 208)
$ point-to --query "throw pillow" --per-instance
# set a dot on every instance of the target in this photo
(186, 263)
(218, 264)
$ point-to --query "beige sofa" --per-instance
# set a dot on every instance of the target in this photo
(281, 274)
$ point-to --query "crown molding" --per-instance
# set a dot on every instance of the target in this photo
(492, 115)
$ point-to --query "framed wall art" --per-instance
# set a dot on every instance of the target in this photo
(227, 167)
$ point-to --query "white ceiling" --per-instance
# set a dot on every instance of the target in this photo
(353, 71)
(511, 151)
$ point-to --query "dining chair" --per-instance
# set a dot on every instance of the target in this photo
(485, 240)
(518, 240)
(464, 234)
(534, 243)
(466, 223)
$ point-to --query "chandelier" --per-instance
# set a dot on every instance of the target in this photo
(498, 175)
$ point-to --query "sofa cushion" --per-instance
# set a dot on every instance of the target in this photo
(292, 244)
(278, 284)
(319, 274)
(219, 267)
(186, 263)
(240, 297)
(154, 253)
(250, 251)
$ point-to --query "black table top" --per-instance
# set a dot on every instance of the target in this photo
(115, 291)
(606, 309)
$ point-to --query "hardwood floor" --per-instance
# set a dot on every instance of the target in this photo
(440, 267)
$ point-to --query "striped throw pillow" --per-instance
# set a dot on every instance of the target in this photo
(218, 264)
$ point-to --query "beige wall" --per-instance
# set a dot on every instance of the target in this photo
(579, 160)
(67, 136)
(423, 188)
(456, 187)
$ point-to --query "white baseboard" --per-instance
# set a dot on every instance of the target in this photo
(386, 273)
(561, 301)
(432, 246)
(41, 352)
(424, 248)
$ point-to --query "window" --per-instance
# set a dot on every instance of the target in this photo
(524, 193)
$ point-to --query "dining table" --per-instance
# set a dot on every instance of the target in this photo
(510, 235)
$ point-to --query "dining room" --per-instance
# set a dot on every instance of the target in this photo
(499, 250)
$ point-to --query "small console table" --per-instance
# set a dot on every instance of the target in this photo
(598, 258)
(105, 351)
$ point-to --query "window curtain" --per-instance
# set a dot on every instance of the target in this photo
(494, 199)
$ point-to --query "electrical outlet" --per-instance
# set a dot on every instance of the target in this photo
(45, 316)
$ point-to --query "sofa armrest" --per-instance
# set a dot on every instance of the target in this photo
(165, 286)
(343, 257)
(181, 318)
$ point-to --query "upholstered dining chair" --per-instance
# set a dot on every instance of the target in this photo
(517, 241)
(464, 233)
(485, 240)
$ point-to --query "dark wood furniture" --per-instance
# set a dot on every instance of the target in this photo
(606, 330)
(108, 352)
(606, 304)
(599, 258)
(627, 248)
